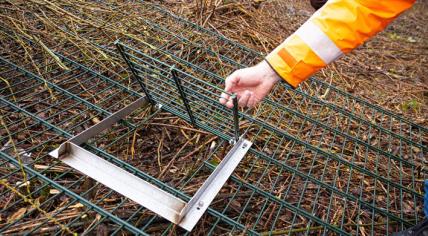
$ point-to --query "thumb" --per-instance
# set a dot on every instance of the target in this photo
(231, 81)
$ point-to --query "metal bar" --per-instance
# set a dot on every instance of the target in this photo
(137, 77)
(120, 180)
(107, 122)
(98, 128)
(162, 203)
(235, 117)
(196, 207)
(183, 95)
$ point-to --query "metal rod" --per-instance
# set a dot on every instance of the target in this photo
(119, 47)
(124, 182)
(199, 203)
(235, 116)
(183, 95)
(108, 122)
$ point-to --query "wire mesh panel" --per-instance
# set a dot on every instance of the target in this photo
(334, 168)
(322, 162)
(185, 95)
(32, 134)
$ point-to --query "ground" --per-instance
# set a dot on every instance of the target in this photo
(322, 161)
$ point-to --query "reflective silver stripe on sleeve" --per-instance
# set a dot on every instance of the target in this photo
(319, 42)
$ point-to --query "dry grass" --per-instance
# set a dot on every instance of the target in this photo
(169, 149)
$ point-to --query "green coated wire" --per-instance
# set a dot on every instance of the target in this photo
(316, 151)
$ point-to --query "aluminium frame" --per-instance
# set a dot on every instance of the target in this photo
(177, 211)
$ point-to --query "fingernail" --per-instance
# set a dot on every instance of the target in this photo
(229, 104)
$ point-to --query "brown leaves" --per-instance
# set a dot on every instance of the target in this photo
(17, 215)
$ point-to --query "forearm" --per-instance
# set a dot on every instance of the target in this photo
(335, 29)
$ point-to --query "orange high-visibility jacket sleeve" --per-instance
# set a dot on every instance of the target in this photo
(336, 28)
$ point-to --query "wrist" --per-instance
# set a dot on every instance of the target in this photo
(268, 72)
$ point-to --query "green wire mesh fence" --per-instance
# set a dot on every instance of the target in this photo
(322, 160)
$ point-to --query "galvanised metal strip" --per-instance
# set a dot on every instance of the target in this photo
(194, 209)
(121, 181)
(107, 122)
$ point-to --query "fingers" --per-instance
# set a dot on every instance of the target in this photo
(230, 83)
(234, 84)
(229, 104)
(243, 100)
(224, 97)
(252, 101)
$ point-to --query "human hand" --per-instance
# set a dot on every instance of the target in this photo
(250, 84)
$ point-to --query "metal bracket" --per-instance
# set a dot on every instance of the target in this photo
(199, 203)
(186, 215)
(104, 124)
